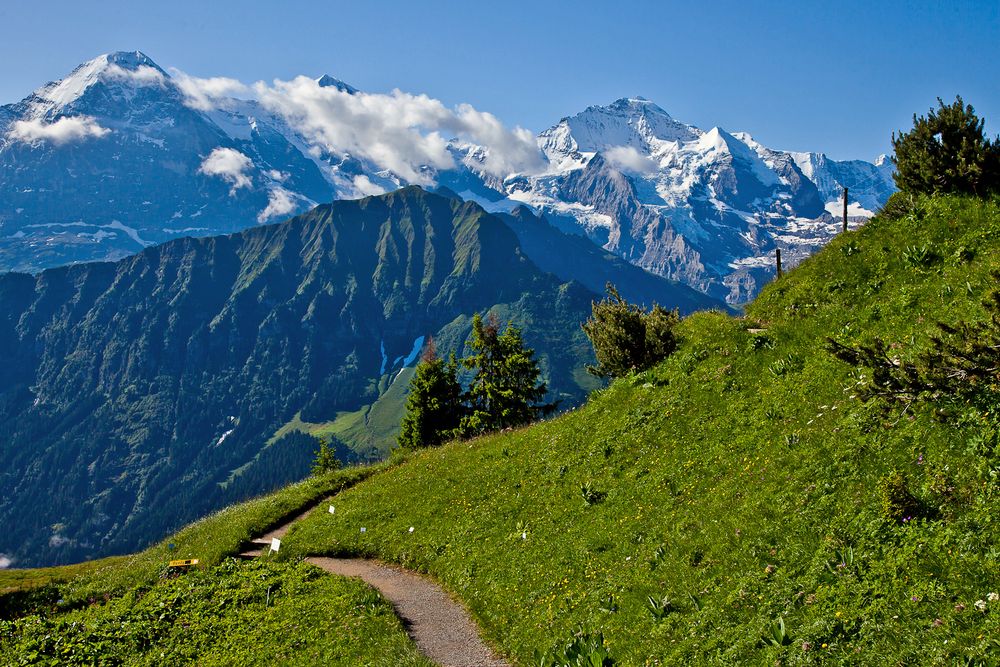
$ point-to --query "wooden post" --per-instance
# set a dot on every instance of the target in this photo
(845, 209)
(777, 259)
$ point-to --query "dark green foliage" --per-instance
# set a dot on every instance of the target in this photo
(592, 496)
(505, 391)
(900, 205)
(777, 634)
(434, 404)
(946, 151)
(960, 370)
(898, 504)
(584, 649)
(326, 460)
(660, 608)
(626, 338)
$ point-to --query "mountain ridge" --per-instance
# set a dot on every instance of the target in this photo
(146, 391)
(208, 156)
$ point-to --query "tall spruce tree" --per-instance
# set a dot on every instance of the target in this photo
(434, 405)
(505, 391)
(946, 151)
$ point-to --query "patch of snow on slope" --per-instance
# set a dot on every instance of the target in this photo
(132, 234)
(72, 87)
(854, 209)
(223, 437)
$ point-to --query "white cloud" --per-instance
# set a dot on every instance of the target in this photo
(279, 202)
(365, 187)
(506, 151)
(65, 130)
(144, 75)
(230, 165)
(280, 176)
(208, 94)
(629, 159)
(58, 541)
(399, 132)
(5, 561)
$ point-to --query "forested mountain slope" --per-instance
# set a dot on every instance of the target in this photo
(141, 393)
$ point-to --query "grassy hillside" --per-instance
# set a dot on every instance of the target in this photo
(692, 512)
(237, 613)
(133, 610)
(727, 507)
(210, 540)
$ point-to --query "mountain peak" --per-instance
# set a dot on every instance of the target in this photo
(629, 121)
(133, 66)
(131, 60)
(327, 81)
(637, 104)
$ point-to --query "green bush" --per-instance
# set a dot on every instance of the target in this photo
(626, 338)
(900, 205)
(325, 460)
(505, 391)
(434, 404)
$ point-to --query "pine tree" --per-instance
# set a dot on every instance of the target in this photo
(505, 391)
(434, 405)
(326, 459)
(626, 338)
(946, 151)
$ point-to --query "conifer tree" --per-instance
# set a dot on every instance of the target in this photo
(326, 459)
(626, 338)
(434, 405)
(959, 371)
(946, 151)
(505, 391)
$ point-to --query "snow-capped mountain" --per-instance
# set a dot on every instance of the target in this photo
(122, 154)
(707, 208)
(113, 158)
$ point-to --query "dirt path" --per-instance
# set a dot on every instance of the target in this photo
(440, 627)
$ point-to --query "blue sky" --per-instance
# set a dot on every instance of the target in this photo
(832, 76)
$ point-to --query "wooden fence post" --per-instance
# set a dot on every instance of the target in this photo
(777, 260)
(845, 209)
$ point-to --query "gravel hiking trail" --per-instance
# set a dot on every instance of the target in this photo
(441, 628)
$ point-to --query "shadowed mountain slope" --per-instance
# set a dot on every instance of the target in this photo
(141, 393)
